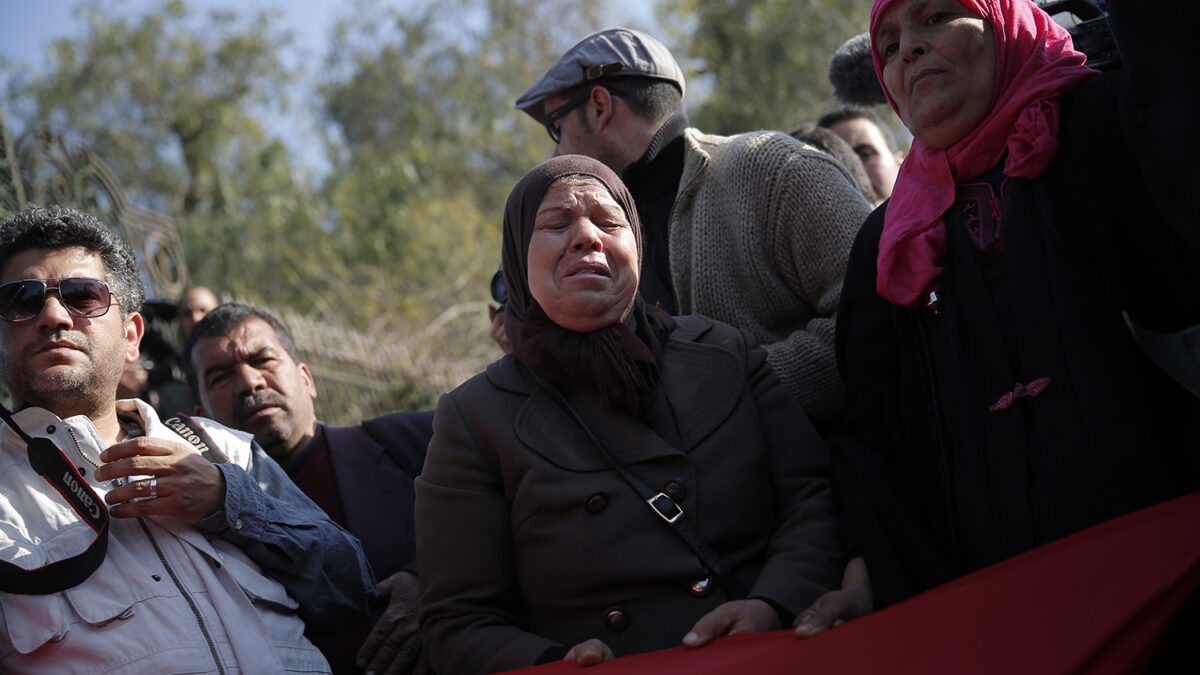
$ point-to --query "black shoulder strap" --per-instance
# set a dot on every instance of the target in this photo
(662, 506)
(49, 461)
(196, 436)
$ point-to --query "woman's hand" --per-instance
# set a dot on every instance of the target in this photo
(730, 618)
(589, 653)
(835, 607)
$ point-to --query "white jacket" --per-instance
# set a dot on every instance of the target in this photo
(168, 597)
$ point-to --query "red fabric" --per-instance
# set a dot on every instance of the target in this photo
(1036, 63)
(1098, 602)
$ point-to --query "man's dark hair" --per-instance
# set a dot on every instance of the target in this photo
(649, 97)
(64, 227)
(849, 113)
(222, 321)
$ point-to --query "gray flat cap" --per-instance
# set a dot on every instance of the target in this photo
(616, 52)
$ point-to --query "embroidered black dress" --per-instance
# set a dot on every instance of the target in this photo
(1020, 409)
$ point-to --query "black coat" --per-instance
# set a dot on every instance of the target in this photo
(530, 541)
(376, 484)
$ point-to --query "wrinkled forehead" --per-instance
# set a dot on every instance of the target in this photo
(249, 339)
(886, 14)
(573, 189)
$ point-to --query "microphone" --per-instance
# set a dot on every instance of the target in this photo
(852, 74)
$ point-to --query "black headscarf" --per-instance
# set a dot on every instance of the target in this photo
(620, 361)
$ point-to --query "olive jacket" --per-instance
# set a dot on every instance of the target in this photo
(529, 542)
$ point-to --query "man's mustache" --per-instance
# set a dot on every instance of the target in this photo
(73, 339)
(249, 404)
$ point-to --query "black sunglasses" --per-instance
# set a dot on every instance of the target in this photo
(551, 118)
(23, 300)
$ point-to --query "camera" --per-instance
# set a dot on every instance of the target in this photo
(1087, 22)
(499, 286)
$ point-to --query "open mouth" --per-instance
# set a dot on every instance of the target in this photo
(588, 269)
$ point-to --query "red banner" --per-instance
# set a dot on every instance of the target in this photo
(1098, 601)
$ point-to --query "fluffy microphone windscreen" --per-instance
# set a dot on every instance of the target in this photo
(852, 74)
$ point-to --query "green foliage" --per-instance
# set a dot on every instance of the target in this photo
(426, 144)
(165, 99)
(398, 238)
(763, 63)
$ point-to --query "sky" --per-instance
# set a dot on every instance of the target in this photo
(27, 27)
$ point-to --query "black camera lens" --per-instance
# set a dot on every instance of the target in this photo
(499, 287)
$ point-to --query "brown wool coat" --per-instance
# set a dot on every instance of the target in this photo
(527, 538)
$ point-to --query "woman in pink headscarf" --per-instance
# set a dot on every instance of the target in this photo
(997, 398)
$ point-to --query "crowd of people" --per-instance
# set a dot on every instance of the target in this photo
(749, 382)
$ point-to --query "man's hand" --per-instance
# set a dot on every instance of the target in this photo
(589, 653)
(394, 645)
(730, 618)
(186, 485)
(835, 607)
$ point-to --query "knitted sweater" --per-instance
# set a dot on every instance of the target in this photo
(759, 238)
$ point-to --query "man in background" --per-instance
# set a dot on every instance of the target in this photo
(872, 140)
(753, 230)
(244, 368)
(193, 305)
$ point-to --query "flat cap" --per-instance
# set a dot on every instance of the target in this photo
(616, 52)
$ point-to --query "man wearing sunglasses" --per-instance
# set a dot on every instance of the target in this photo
(754, 229)
(208, 558)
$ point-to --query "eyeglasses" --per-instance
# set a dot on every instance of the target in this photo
(23, 300)
(551, 118)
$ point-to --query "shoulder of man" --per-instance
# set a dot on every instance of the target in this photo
(404, 436)
(758, 150)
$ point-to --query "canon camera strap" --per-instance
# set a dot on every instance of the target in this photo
(52, 464)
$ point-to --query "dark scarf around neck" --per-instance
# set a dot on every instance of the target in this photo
(621, 361)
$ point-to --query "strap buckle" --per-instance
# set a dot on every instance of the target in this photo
(665, 507)
(601, 70)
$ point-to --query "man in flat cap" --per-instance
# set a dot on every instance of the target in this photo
(753, 229)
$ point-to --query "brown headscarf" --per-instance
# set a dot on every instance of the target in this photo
(620, 361)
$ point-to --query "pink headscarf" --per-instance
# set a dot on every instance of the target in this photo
(1035, 65)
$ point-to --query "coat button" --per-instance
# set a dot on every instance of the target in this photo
(675, 489)
(616, 619)
(701, 587)
(596, 503)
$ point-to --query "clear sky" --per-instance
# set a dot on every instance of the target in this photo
(27, 27)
